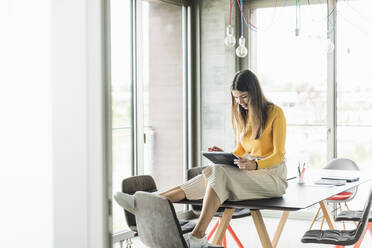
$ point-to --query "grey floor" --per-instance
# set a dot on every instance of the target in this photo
(291, 236)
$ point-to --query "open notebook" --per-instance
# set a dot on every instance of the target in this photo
(346, 175)
(335, 182)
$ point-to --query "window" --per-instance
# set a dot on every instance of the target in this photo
(297, 73)
(293, 74)
(149, 85)
(163, 93)
(121, 101)
(354, 90)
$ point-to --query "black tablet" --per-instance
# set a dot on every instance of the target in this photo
(221, 157)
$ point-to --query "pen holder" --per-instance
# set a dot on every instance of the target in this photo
(301, 180)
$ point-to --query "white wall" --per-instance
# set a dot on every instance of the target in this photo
(80, 205)
(52, 128)
(25, 125)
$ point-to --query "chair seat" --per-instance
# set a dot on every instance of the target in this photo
(187, 226)
(351, 216)
(334, 237)
(341, 196)
(238, 213)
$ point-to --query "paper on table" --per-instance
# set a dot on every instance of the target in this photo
(318, 185)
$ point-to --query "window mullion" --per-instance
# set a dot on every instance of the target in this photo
(138, 106)
(331, 85)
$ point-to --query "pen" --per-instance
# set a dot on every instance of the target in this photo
(303, 171)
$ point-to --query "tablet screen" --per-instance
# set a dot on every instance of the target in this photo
(221, 157)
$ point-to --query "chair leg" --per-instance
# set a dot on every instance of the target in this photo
(359, 243)
(321, 224)
(214, 228)
(224, 241)
(369, 227)
(347, 207)
(314, 219)
(235, 237)
(335, 210)
(343, 222)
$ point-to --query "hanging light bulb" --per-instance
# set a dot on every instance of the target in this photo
(241, 51)
(230, 38)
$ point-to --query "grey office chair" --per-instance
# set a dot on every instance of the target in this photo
(341, 237)
(145, 183)
(343, 197)
(157, 223)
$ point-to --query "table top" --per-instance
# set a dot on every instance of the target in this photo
(297, 196)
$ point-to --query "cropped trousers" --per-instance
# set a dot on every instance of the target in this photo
(233, 184)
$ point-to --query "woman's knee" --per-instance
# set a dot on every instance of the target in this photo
(218, 169)
(175, 195)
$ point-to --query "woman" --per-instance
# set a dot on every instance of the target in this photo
(260, 130)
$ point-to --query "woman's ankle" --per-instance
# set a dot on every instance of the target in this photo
(198, 234)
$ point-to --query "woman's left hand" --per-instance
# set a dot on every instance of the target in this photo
(245, 164)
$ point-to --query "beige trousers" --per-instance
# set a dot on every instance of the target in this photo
(233, 184)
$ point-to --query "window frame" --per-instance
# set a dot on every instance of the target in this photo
(251, 6)
(137, 106)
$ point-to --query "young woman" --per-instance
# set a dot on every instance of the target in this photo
(260, 130)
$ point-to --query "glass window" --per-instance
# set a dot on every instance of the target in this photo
(121, 101)
(354, 90)
(293, 74)
(160, 90)
(163, 92)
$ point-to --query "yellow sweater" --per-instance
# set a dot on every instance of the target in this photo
(270, 145)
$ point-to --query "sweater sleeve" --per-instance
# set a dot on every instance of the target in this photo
(279, 133)
(239, 149)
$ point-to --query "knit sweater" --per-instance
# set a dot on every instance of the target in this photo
(271, 144)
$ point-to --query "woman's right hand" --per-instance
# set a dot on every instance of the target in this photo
(214, 149)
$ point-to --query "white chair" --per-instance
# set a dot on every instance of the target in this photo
(343, 197)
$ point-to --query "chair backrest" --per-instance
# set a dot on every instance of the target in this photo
(342, 164)
(157, 223)
(195, 171)
(362, 225)
(130, 186)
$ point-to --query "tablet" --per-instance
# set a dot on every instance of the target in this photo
(221, 157)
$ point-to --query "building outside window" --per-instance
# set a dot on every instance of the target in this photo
(149, 85)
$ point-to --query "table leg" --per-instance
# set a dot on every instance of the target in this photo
(280, 227)
(326, 215)
(221, 230)
(261, 228)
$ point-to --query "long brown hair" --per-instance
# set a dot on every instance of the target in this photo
(258, 105)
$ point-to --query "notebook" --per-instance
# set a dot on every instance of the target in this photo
(336, 182)
(348, 176)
